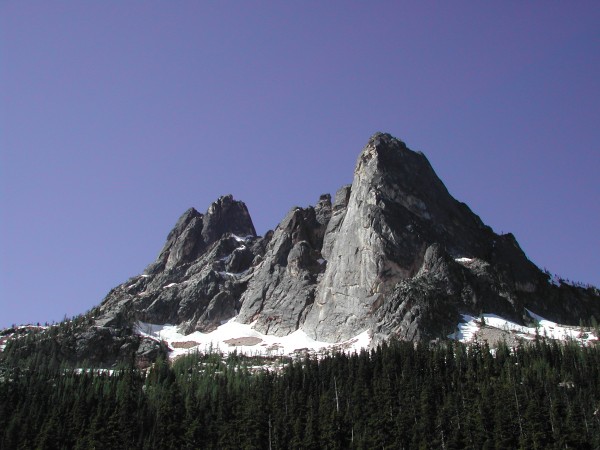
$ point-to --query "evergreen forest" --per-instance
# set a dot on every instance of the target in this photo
(402, 395)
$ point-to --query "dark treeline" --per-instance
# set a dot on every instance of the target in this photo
(447, 396)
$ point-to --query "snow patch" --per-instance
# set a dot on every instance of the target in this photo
(18, 332)
(81, 371)
(243, 338)
(227, 274)
(470, 326)
(241, 239)
(467, 329)
(463, 260)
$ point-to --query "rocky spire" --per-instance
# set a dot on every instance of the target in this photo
(227, 215)
(194, 233)
(396, 209)
(281, 290)
(184, 242)
(394, 254)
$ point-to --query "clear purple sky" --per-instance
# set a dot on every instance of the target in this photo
(116, 116)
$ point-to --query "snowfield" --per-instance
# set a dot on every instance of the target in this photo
(471, 329)
(242, 338)
(234, 336)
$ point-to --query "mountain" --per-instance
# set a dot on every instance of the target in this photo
(393, 255)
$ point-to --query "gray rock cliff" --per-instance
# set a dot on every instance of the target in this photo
(394, 254)
(282, 288)
(196, 282)
(398, 216)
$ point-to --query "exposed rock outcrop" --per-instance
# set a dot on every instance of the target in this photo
(196, 282)
(199, 275)
(395, 254)
(282, 288)
(397, 212)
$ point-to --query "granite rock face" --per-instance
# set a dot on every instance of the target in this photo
(194, 233)
(282, 288)
(199, 275)
(394, 254)
(196, 282)
(398, 215)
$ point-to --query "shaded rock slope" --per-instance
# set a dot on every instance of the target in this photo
(393, 253)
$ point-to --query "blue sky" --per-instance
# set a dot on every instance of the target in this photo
(116, 116)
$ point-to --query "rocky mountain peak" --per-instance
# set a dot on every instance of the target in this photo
(394, 254)
(194, 232)
(184, 242)
(384, 256)
(227, 215)
(396, 210)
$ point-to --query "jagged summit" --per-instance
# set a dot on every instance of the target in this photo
(393, 255)
(194, 232)
(227, 215)
(398, 213)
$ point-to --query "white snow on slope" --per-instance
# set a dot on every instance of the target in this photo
(19, 332)
(234, 336)
(464, 260)
(80, 371)
(241, 239)
(468, 329)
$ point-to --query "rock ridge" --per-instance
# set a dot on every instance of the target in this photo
(393, 254)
